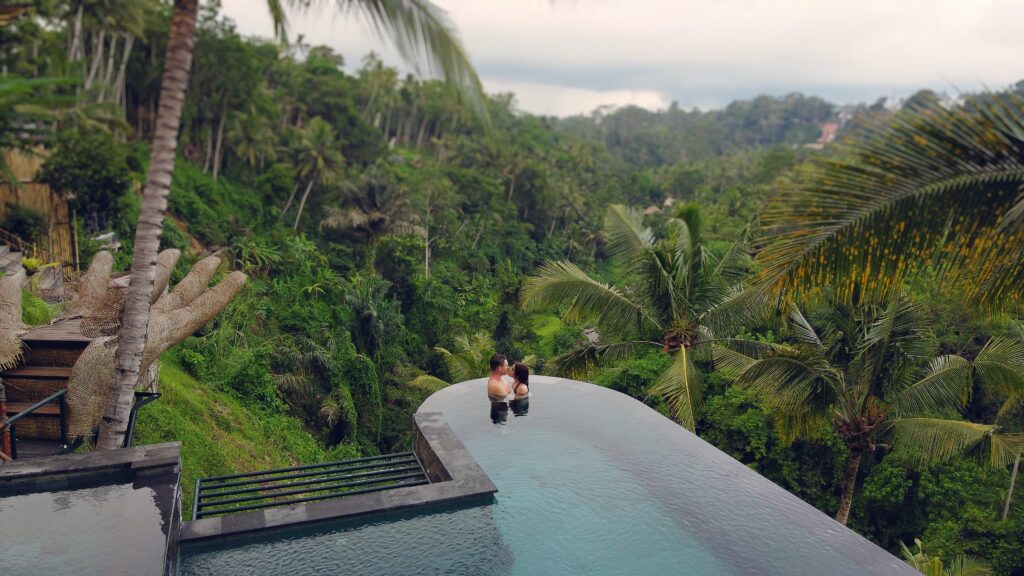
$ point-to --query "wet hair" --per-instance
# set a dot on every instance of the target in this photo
(497, 360)
(522, 373)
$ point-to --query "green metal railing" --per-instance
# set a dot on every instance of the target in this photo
(283, 486)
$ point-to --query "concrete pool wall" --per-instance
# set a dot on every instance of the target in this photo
(454, 475)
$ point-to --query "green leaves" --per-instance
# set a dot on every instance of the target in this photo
(564, 284)
(681, 386)
(419, 31)
(927, 441)
(929, 185)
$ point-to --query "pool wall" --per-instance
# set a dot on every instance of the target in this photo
(454, 475)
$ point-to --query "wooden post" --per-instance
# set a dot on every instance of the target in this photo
(5, 431)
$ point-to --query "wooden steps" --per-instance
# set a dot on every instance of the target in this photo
(49, 354)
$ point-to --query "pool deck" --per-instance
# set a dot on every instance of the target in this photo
(454, 474)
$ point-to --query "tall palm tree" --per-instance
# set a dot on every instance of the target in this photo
(864, 376)
(421, 33)
(928, 186)
(318, 161)
(670, 301)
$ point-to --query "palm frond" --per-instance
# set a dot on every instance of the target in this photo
(564, 284)
(926, 441)
(428, 383)
(422, 35)
(946, 386)
(1000, 364)
(580, 361)
(628, 239)
(802, 329)
(926, 183)
(797, 385)
(738, 309)
(682, 387)
(731, 363)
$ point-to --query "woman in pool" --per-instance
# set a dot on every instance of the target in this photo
(521, 389)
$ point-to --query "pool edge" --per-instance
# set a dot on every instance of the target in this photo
(454, 474)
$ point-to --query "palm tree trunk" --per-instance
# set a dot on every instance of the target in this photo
(132, 342)
(76, 38)
(423, 129)
(291, 198)
(119, 95)
(849, 483)
(302, 204)
(1013, 480)
(218, 151)
(108, 74)
(97, 56)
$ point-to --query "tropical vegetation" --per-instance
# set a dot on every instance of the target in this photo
(843, 319)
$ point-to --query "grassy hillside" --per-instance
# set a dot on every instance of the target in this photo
(218, 434)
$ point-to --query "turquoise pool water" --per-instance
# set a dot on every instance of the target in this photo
(589, 482)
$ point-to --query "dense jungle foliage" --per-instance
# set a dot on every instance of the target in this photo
(387, 226)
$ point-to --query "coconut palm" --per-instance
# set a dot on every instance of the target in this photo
(871, 375)
(929, 186)
(318, 161)
(1007, 379)
(931, 565)
(421, 33)
(671, 301)
(252, 138)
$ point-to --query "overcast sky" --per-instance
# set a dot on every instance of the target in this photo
(570, 56)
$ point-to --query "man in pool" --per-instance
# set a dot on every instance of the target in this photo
(498, 390)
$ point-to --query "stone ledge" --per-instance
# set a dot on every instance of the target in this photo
(455, 477)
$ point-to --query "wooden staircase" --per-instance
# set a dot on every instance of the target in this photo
(50, 352)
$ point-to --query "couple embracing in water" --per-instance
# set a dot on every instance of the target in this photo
(508, 388)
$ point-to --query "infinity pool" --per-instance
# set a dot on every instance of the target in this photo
(589, 482)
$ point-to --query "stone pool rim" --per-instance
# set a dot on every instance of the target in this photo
(454, 474)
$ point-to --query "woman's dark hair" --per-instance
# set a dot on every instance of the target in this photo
(522, 373)
(497, 360)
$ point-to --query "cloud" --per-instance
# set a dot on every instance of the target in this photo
(707, 53)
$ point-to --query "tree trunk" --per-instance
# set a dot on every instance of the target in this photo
(426, 255)
(97, 56)
(208, 157)
(108, 74)
(849, 483)
(423, 130)
(302, 204)
(218, 152)
(132, 342)
(1013, 480)
(291, 198)
(76, 38)
(119, 87)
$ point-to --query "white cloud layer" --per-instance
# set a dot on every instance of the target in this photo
(569, 56)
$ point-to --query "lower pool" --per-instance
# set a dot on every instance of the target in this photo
(589, 482)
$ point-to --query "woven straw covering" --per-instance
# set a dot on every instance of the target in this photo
(173, 317)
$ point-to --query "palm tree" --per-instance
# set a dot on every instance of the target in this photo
(318, 161)
(930, 185)
(420, 32)
(375, 205)
(252, 138)
(471, 359)
(931, 565)
(863, 375)
(1007, 379)
(671, 301)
